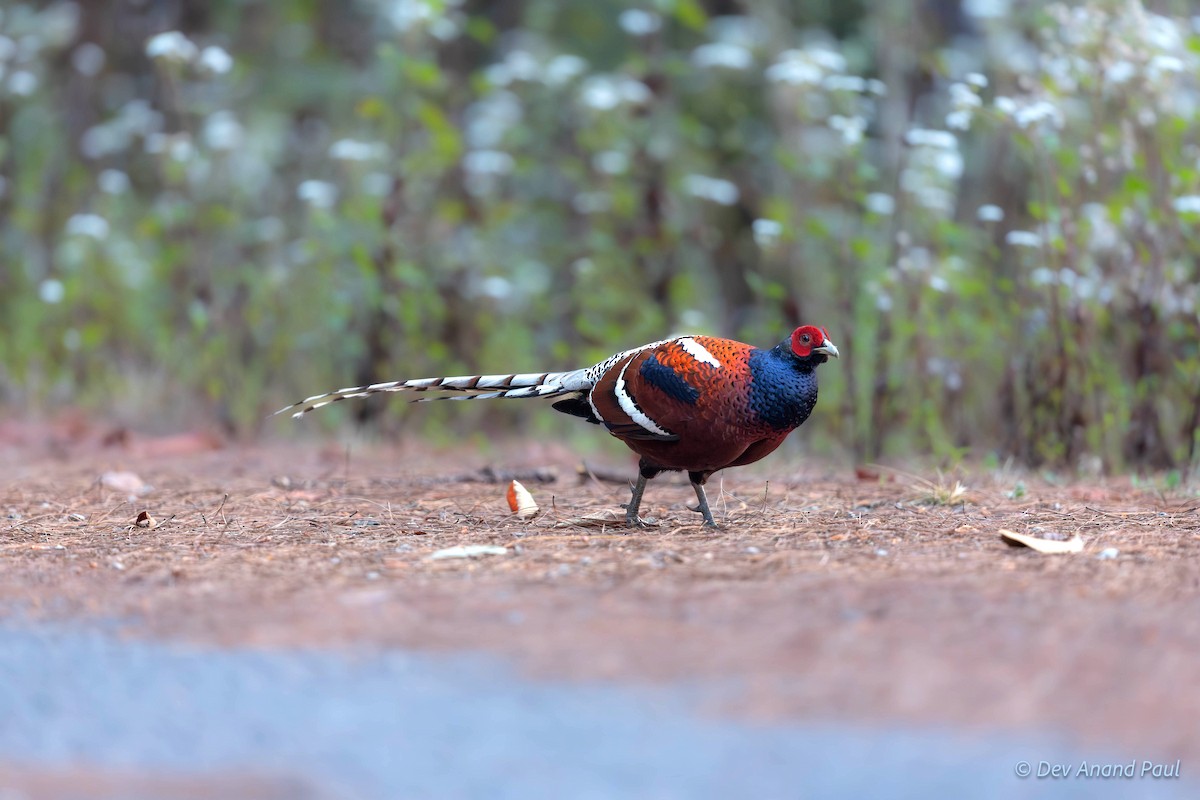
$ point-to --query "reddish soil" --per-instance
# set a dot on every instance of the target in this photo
(826, 595)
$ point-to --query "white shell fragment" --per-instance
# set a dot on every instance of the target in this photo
(521, 501)
(1047, 546)
(468, 551)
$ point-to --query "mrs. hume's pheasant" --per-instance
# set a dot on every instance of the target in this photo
(695, 403)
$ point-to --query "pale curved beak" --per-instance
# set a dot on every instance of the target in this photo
(828, 348)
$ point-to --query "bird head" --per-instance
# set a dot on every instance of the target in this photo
(811, 342)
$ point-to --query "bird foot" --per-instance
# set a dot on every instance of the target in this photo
(632, 519)
(709, 522)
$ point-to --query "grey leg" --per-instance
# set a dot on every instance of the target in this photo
(698, 480)
(631, 508)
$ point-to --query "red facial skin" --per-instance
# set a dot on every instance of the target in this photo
(806, 338)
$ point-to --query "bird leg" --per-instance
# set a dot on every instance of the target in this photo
(631, 508)
(645, 473)
(698, 479)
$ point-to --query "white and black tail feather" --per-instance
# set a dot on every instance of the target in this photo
(574, 388)
(461, 387)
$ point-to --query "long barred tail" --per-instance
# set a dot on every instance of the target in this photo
(464, 387)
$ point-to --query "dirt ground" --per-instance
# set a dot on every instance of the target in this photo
(864, 597)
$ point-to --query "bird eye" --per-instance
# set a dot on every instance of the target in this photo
(805, 338)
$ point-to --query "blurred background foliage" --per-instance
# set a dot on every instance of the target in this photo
(209, 208)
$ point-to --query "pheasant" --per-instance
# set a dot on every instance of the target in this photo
(693, 403)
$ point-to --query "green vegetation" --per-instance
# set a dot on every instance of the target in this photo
(993, 206)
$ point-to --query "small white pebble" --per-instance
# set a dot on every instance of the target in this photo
(752, 550)
(1107, 553)
(881, 552)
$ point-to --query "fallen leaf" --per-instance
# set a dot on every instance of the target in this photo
(521, 501)
(608, 517)
(469, 551)
(1047, 546)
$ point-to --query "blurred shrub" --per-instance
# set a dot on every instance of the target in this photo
(993, 205)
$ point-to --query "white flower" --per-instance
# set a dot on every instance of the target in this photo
(22, 83)
(739, 29)
(1042, 110)
(949, 163)
(1006, 105)
(591, 202)
(444, 29)
(939, 284)
(611, 162)
(990, 213)
(959, 120)
(723, 55)
(406, 14)
(488, 119)
(176, 145)
(600, 93)
(986, 9)
(51, 291)
(92, 226)
(795, 67)
(1163, 63)
(563, 68)
(923, 137)
(377, 184)
(522, 66)
(844, 83)
(851, 128)
(215, 60)
(222, 131)
(1023, 239)
(113, 181)
(766, 232)
(488, 162)
(496, 287)
(319, 194)
(717, 190)
(1042, 276)
(606, 92)
(637, 22)
(1119, 72)
(171, 46)
(518, 65)
(354, 150)
(827, 59)
(963, 96)
(1188, 204)
(880, 203)
(976, 79)
(88, 59)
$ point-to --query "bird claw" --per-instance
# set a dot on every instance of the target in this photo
(633, 520)
(638, 522)
(709, 522)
